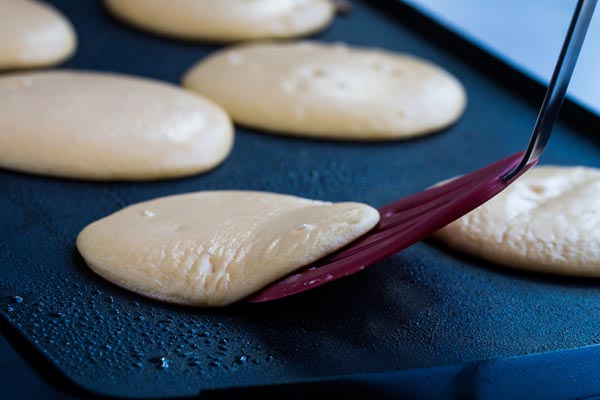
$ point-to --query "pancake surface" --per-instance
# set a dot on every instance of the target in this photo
(226, 20)
(33, 34)
(547, 221)
(107, 126)
(215, 248)
(329, 91)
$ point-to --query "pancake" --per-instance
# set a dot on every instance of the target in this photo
(214, 248)
(329, 91)
(108, 127)
(547, 221)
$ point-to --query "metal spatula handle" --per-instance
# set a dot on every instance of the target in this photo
(557, 89)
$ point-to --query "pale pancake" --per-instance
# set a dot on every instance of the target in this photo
(329, 91)
(33, 34)
(215, 248)
(226, 20)
(107, 126)
(547, 221)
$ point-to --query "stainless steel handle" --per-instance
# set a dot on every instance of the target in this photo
(559, 82)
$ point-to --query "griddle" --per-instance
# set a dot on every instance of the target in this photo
(426, 307)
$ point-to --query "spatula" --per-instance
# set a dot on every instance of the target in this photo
(406, 221)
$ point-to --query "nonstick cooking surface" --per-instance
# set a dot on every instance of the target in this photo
(427, 306)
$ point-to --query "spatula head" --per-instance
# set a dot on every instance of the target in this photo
(403, 223)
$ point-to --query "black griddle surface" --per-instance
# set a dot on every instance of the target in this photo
(424, 307)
